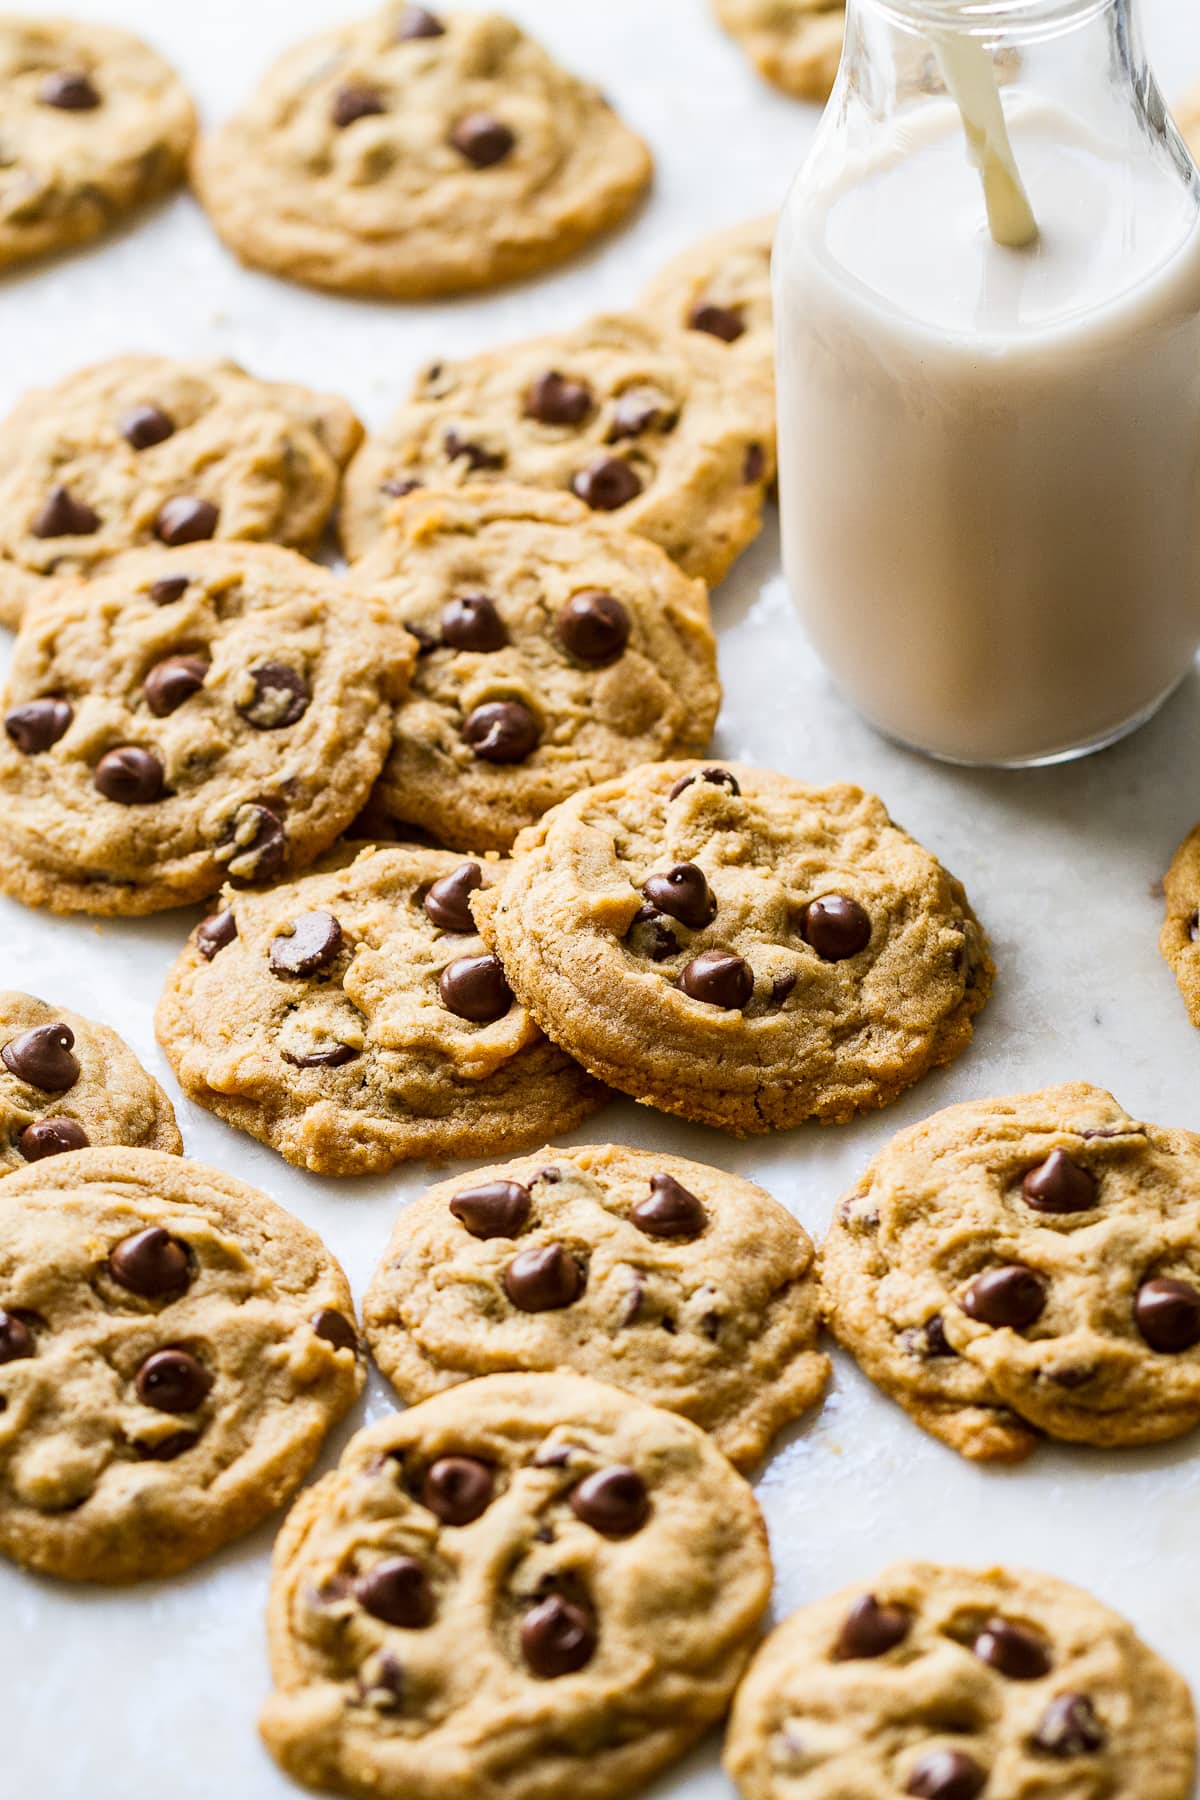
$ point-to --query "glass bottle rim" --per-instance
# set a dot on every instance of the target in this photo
(1012, 19)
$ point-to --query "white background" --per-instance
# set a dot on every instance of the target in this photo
(129, 1695)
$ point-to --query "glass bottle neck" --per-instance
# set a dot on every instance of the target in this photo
(1016, 21)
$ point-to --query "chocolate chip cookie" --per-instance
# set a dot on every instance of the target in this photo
(656, 428)
(555, 650)
(1180, 939)
(413, 153)
(143, 450)
(690, 1288)
(529, 1586)
(726, 943)
(66, 1082)
(92, 123)
(1027, 1265)
(721, 288)
(796, 44)
(173, 1349)
(218, 711)
(354, 1019)
(956, 1683)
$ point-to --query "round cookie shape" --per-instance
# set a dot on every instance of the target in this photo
(661, 928)
(67, 1083)
(794, 44)
(721, 289)
(393, 1036)
(1180, 939)
(582, 1578)
(951, 1683)
(93, 123)
(176, 1348)
(658, 432)
(693, 1289)
(125, 790)
(1028, 1265)
(142, 449)
(524, 600)
(411, 154)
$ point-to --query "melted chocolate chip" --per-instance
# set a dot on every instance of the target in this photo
(173, 681)
(43, 1057)
(38, 725)
(935, 1340)
(168, 1448)
(494, 1209)
(355, 102)
(173, 1381)
(782, 985)
(683, 894)
(129, 776)
(474, 455)
(946, 1775)
(151, 1263)
(718, 979)
(836, 927)
(482, 139)
(607, 484)
(144, 426)
(16, 1339)
(63, 515)
(335, 1328)
(315, 940)
(215, 933)
(1167, 1312)
(557, 1638)
(1012, 1650)
(555, 399)
(415, 22)
(613, 1502)
(281, 697)
(502, 731)
(70, 90)
(724, 322)
(169, 588)
(593, 627)
(259, 841)
(398, 1592)
(669, 1210)
(473, 622)
(638, 410)
(396, 487)
(1059, 1185)
(711, 778)
(186, 520)
(1069, 1727)
(543, 1280)
(650, 936)
(331, 1056)
(474, 988)
(753, 464)
(447, 902)
(872, 1629)
(458, 1489)
(1010, 1295)
(51, 1137)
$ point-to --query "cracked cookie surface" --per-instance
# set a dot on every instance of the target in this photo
(721, 289)
(691, 1288)
(957, 1683)
(1027, 1265)
(143, 449)
(656, 429)
(556, 649)
(795, 44)
(529, 1586)
(67, 1082)
(354, 1019)
(723, 942)
(173, 1349)
(412, 154)
(173, 723)
(93, 122)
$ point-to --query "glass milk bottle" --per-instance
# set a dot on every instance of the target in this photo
(987, 287)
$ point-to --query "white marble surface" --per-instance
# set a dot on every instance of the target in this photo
(127, 1695)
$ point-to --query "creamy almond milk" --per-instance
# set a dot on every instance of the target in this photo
(990, 456)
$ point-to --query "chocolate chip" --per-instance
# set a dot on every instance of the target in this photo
(650, 936)
(144, 426)
(1194, 927)
(638, 410)
(549, 1174)
(168, 1448)
(173, 1381)
(396, 487)
(169, 588)
(607, 484)
(332, 1056)
(415, 22)
(935, 1339)
(718, 979)
(51, 1137)
(42, 1057)
(38, 725)
(872, 1629)
(593, 627)
(130, 776)
(669, 1210)
(543, 1280)
(70, 90)
(473, 622)
(186, 520)
(502, 731)
(215, 932)
(1167, 1313)
(64, 516)
(557, 1638)
(683, 894)
(151, 1263)
(782, 985)
(355, 102)
(474, 455)
(1069, 1727)
(173, 681)
(314, 942)
(555, 399)
(258, 841)
(474, 988)
(398, 1592)
(711, 778)
(1010, 1295)
(447, 902)
(946, 1775)
(1059, 1185)
(724, 322)
(613, 1502)
(494, 1209)
(458, 1489)
(836, 927)
(281, 697)
(16, 1339)
(482, 139)
(753, 464)
(1012, 1650)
